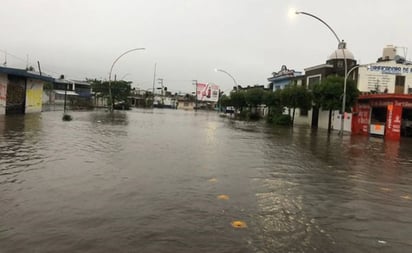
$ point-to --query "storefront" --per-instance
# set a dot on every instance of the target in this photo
(386, 115)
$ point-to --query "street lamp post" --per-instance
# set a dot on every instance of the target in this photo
(342, 46)
(110, 74)
(227, 73)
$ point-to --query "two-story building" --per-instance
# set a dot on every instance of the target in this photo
(384, 107)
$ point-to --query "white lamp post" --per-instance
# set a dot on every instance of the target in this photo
(342, 46)
(227, 73)
(110, 74)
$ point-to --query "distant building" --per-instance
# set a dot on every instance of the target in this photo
(283, 77)
(21, 91)
(77, 94)
(186, 102)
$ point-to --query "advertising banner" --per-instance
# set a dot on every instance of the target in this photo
(393, 122)
(361, 119)
(207, 92)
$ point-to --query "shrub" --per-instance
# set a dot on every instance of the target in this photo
(282, 120)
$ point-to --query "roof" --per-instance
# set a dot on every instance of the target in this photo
(383, 96)
(280, 78)
(338, 54)
(67, 81)
(69, 92)
(25, 73)
(319, 67)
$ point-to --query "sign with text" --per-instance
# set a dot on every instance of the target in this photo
(207, 92)
(361, 120)
(393, 122)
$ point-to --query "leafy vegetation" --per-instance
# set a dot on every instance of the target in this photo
(328, 95)
(121, 90)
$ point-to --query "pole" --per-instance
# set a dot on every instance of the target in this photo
(154, 82)
(195, 83)
(110, 74)
(342, 46)
(161, 90)
(227, 73)
(38, 64)
(342, 120)
(65, 98)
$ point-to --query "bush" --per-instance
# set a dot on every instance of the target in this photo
(253, 116)
(243, 115)
(282, 120)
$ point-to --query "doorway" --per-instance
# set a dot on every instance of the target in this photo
(406, 124)
(16, 95)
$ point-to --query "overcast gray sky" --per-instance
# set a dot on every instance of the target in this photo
(188, 39)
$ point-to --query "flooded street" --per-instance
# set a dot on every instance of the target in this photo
(149, 181)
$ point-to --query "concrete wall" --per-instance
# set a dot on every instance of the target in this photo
(3, 93)
(323, 119)
(34, 94)
(336, 121)
(301, 120)
(188, 106)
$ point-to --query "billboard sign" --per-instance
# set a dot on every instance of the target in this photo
(207, 92)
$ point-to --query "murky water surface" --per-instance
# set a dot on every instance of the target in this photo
(149, 181)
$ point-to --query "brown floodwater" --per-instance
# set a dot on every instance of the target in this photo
(175, 181)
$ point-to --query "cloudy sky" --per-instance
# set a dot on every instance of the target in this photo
(188, 39)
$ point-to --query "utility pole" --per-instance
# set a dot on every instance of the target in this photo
(195, 83)
(154, 82)
(38, 64)
(160, 80)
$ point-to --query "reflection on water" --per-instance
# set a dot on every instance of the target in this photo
(150, 181)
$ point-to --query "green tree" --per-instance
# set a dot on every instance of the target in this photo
(328, 95)
(254, 97)
(273, 101)
(293, 96)
(238, 100)
(225, 101)
(121, 90)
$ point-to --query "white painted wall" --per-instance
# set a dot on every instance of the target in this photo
(302, 120)
(382, 75)
(336, 121)
(323, 119)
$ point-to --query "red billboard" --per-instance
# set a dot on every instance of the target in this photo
(393, 122)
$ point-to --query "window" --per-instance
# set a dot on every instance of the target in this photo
(312, 81)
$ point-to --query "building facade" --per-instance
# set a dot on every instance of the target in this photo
(76, 93)
(334, 65)
(21, 91)
(385, 105)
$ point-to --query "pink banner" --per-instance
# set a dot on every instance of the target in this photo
(207, 92)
